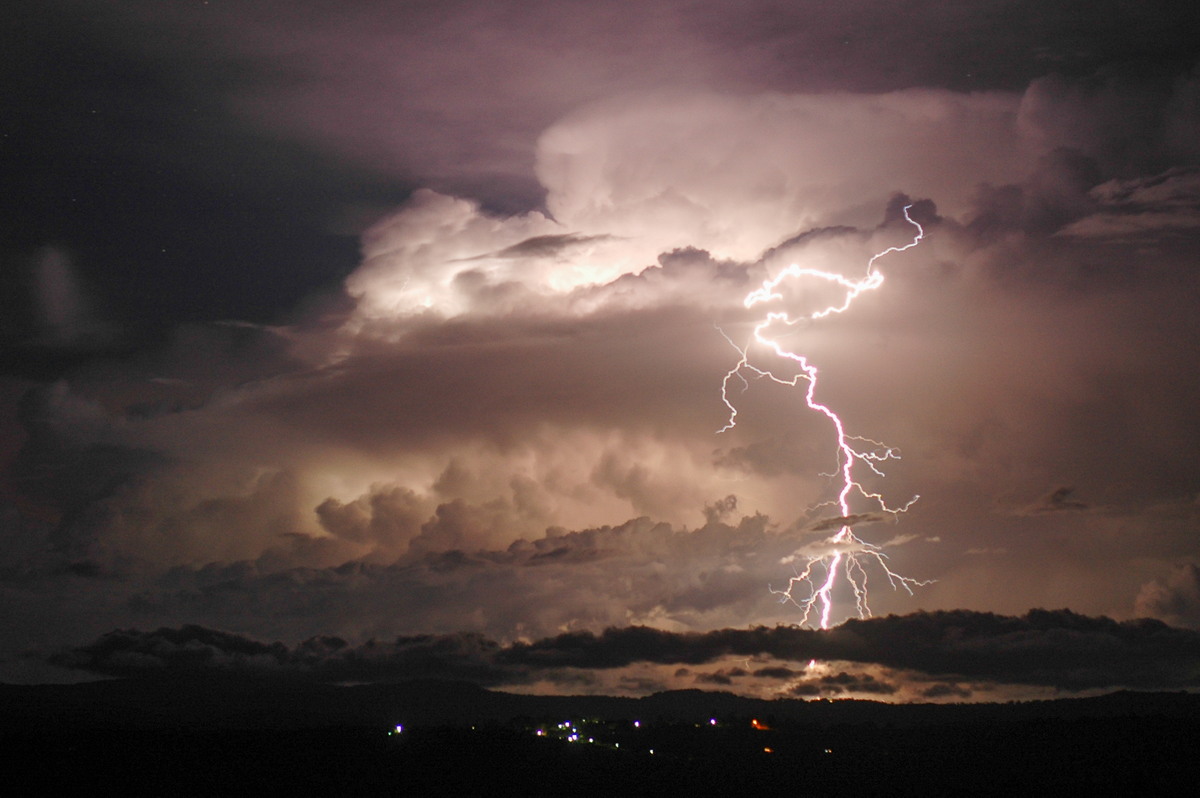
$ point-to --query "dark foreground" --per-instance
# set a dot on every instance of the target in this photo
(1128, 743)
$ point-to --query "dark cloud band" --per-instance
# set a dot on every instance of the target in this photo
(1056, 649)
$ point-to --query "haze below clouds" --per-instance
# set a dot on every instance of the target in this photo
(503, 422)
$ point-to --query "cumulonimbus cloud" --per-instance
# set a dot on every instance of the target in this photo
(527, 380)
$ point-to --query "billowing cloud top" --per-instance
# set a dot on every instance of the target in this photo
(731, 176)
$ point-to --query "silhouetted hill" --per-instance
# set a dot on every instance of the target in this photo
(228, 703)
(236, 736)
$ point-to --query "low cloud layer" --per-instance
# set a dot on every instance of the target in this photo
(1058, 650)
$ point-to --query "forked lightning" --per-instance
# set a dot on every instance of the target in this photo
(844, 553)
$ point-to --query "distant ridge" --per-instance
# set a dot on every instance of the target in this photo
(247, 703)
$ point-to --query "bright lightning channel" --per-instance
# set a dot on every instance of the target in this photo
(845, 553)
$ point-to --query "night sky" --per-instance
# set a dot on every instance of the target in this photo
(394, 332)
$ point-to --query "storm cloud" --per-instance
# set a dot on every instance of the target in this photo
(492, 434)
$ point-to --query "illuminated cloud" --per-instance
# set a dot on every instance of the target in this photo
(505, 424)
(1175, 599)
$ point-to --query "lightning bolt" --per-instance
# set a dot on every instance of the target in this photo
(844, 553)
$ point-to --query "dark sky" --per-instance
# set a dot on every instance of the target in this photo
(384, 319)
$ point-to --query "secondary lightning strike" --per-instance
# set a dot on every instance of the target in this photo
(845, 552)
